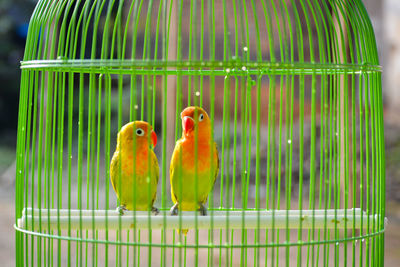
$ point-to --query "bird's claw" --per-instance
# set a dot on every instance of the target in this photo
(203, 210)
(155, 211)
(120, 209)
(174, 210)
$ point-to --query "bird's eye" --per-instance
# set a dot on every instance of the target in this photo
(139, 132)
(201, 117)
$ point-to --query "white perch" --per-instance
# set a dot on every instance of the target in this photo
(74, 212)
(279, 219)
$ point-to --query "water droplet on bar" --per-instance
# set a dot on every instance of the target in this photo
(289, 141)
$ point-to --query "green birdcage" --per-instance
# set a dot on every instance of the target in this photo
(293, 92)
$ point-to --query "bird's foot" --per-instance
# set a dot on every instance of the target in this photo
(174, 210)
(121, 209)
(155, 211)
(203, 210)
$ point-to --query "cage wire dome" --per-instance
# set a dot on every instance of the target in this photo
(293, 92)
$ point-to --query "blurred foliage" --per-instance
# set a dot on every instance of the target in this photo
(14, 20)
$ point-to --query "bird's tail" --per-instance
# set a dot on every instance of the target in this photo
(183, 231)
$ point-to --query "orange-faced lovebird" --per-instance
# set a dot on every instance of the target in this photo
(193, 177)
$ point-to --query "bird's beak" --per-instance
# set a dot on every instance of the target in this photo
(153, 138)
(187, 123)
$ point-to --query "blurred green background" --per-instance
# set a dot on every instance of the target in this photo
(14, 20)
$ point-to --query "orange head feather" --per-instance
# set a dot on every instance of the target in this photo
(196, 121)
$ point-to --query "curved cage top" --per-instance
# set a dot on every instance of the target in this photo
(201, 37)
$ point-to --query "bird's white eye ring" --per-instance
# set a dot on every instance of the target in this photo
(201, 117)
(139, 132)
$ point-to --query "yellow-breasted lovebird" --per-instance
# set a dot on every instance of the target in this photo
(134, 167)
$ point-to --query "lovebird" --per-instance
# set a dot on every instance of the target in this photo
(135, 184)
(187, 193)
